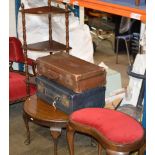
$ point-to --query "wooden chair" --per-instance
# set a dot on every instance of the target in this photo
(116, 132)
(17, 79)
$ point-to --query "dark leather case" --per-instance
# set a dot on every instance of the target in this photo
(67, 100)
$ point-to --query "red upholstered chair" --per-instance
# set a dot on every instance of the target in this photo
(116, 132)
(17, 79)
(16, 54)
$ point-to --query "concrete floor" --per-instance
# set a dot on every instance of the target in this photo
(41, 141)
(104, 52)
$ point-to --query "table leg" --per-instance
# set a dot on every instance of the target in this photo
(55, 133)
(70, 139)
(26, 120)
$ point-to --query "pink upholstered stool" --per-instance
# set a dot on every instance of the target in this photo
(116, 132)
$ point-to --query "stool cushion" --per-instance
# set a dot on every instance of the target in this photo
(115, 126)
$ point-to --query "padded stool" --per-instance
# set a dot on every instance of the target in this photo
(116, 132)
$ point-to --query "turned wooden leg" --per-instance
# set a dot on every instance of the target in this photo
(26, 120)
(110, 152)
(70, 139)
(99, 149)
(55, 133)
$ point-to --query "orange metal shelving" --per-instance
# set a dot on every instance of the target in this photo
(136, 12)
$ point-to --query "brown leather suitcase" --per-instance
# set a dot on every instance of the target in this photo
(71, 72)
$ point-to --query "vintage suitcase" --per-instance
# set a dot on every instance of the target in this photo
(71, 72)
(67, 100)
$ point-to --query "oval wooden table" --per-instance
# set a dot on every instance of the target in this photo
(40, 112)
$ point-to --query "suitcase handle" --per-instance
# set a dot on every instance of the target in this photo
(53, 75)
(53, 96)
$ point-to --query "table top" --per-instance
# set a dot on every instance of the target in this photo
(40, 110)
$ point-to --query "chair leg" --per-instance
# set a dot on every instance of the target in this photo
(99, 149)
(127, 49)
(70, 139)
(110, 152)
(117, 43)
(142, 150)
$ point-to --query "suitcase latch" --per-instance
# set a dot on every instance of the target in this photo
(55, 100)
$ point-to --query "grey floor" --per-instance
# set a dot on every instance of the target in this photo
(104, 52)
(41, 142)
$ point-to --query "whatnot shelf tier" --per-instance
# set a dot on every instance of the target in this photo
(46, 46)
(44, 10)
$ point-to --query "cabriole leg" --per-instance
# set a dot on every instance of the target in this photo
(55, 133)
(99, 149)
(70, 139)
(142, 150)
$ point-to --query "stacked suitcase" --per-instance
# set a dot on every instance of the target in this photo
(69, 83)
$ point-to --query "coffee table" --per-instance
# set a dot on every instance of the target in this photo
(38, 111)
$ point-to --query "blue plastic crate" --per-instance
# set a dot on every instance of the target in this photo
(129, 3)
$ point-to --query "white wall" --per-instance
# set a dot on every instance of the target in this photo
(12, 18)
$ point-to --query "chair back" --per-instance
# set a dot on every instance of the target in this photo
(15, 50)
(125, 25)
